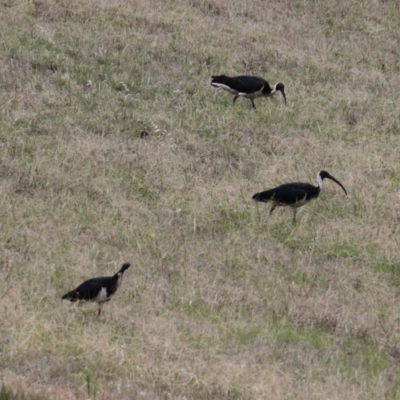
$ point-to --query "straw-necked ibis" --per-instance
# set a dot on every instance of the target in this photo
(247, 86)
(98, 289)
(294, 194)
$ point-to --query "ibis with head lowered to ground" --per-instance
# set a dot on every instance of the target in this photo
(247, 86)
(294, 194)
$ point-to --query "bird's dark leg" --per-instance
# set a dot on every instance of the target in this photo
(235, 98)
(99, 311)
(294, 215)
(272, 209)
(252, 103)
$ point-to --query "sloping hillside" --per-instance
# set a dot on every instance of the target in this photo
(114, 147)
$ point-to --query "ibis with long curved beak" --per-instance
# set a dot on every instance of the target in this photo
(294, 194)
(247, 86)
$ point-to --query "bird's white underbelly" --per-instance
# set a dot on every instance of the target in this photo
(225, 87)
(300, 202)
(102, 296)
(253, 95)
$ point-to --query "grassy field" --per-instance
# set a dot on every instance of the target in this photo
(114, 147)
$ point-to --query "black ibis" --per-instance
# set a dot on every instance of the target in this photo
(294, 194)
(250, 87)
(98, 289)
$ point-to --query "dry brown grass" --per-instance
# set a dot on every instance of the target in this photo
(222, 301)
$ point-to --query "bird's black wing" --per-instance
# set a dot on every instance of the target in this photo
(290, 194)
(286, 194)
(89, 289)
(246, 84)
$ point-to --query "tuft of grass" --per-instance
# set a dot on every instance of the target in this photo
(7, 394)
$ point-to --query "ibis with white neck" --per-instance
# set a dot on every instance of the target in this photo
(247, 86)
(294, 194)
(99, 290)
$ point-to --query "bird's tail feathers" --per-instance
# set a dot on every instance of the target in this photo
(218, 79)
(265, 196)
(72, 296)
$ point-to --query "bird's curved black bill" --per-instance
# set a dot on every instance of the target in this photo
(284, 96)
(335, 180)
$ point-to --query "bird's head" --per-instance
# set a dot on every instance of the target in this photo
(281, 87)
(124, 267)
(323, 174)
